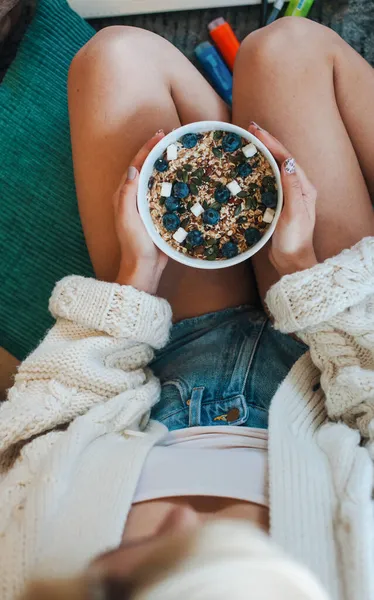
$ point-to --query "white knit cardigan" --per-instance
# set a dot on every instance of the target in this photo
(75, 430)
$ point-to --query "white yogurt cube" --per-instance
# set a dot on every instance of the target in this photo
(197, 209)
(166, 189)
(249, 150)
(234, 187)
(180, 235)
(172, 152)
(268, 215)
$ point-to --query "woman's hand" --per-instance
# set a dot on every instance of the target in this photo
(142, 263)
(292, 242)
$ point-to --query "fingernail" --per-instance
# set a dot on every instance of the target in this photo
(290, 166)
(254, 124)
(158, 132)
(131, 173)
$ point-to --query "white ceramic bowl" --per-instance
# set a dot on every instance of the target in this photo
(143, 205)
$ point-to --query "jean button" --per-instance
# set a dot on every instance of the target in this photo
(233, 415)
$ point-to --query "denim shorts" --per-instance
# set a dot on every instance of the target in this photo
(222, 369)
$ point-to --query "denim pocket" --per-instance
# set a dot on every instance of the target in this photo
(179, 409)
(203, 372)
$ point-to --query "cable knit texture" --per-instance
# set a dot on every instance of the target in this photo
(75, 430)
(311, 297)
(331, 308)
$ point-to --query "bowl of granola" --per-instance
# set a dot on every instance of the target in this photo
(210, 194)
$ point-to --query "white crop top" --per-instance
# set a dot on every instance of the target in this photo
(226, 462)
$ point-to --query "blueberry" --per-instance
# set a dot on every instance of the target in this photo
(222, 194)
(161, 165)
(195, 238)
(229, 250)
(172, 203)
(252, 236)
(244, 170)
(231, 142)
(189, 140)
(269, 199)
(171, 221)
(211, 216)
(180, 190)
(268, 183)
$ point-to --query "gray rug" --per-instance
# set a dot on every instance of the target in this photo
(352, 19)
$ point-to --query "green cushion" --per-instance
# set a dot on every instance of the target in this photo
(41, 238)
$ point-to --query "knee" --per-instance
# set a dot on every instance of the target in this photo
(112, 46)
(290, 39)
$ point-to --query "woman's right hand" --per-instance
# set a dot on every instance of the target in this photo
(292, 246)
(142, 263)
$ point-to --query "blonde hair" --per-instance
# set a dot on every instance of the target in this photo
(226, 559)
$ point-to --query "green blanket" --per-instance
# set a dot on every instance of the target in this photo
(41, 239)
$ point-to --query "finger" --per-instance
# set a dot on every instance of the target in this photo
(140, 157)
(292, 189)
(145, 150)
(127, 209)
(127, 196)
(280, 153)
(277, 149)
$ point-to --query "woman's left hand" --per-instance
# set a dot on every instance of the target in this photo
(142, 263)
(292, 246)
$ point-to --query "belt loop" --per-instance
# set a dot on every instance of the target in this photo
(195, 406)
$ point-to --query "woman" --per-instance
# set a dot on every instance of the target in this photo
(85, 470)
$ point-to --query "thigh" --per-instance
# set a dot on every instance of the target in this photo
(124, 85)
(8, 368)
(306, 99)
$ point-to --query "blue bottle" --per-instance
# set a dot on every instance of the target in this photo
(216, 70)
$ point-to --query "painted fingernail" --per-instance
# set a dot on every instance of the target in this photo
(254, 124)
(131, 173)
(290, 166)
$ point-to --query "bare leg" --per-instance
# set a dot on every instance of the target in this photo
(305, 85)
(124, 85)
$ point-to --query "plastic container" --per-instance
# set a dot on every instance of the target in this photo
(143, 205)
(225, 39)
(299, 8)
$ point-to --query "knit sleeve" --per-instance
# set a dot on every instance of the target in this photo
(95, 357)
(120, 311)
(331, 308)
(308, 298)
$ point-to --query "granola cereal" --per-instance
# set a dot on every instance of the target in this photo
(212, 195)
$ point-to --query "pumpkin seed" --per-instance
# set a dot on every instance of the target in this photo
(243, 194)
(238, 210)
(217, 135)
(180, 174)
(217, 152)
(162, 200)
(217, 206)
(193, 189)
(205, 205)
(198, 173)
(185, 222)
(185, 176)
(188, 167)
(196, 181)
